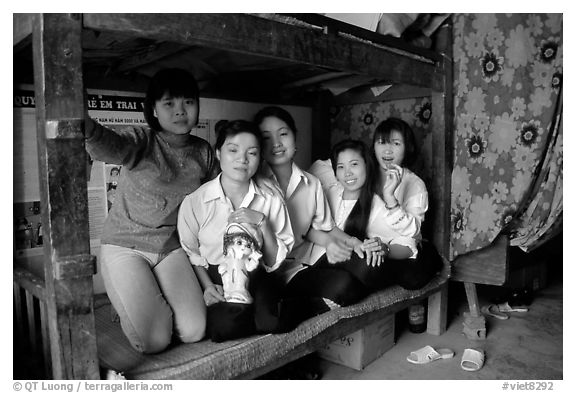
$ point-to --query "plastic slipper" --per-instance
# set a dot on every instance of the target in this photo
(506, 307)
(494, 311)
(428, 354)
(472, 359)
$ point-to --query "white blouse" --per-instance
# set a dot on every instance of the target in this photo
(399, 226)
(203, 216)
(308, 208)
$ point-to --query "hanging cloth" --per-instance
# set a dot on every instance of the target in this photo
(541, 219)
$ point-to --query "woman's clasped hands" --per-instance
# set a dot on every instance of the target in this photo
(338, 250)
(375, 250)
(372, 249)
(248, 216)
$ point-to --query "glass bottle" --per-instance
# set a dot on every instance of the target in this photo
(417, 317)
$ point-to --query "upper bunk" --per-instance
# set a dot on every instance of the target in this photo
(282, 58)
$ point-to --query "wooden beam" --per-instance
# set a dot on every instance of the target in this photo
(258, 36)
(335, 26)
(63, 193)
(442, 146)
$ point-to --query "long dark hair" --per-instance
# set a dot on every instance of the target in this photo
(384, 131)
(174, 81)
(357, 221)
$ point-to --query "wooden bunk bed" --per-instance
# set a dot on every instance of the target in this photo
(62, 53)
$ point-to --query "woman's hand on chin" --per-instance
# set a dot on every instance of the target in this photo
(392, 179)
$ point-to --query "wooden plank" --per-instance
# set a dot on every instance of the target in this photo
(335, 26)
(59, 96)
(438, 312)
(442, 146)
(264, 37)
(489, 265)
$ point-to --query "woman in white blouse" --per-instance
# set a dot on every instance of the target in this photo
(233, 196)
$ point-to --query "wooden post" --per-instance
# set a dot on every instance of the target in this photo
(438, 312)
(68, 265)
(474, 321)
(442, 144)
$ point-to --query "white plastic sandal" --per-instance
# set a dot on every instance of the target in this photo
(428, 354)
(506, 307)
(493, 310)
(472, 359)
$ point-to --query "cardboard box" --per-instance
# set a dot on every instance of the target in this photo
(359, 349)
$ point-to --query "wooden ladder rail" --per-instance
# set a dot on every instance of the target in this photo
(31, 327)
(68, 265)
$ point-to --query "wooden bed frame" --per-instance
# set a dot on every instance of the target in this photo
(55, 44)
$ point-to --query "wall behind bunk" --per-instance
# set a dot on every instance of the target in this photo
(507, 82)
(115, 109)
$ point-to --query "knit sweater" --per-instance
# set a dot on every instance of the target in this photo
(158, 170)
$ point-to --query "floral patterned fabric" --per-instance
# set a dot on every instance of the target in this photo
(507, 83)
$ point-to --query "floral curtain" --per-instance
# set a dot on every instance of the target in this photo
(542, 217)
(507, 83)
(508, 74)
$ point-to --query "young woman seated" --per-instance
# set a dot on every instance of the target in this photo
(379, 213)
(233, 197)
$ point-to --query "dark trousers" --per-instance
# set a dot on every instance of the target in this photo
(348, 282)
(278, 308)
(227, 320)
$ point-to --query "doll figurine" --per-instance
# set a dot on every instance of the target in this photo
(242, 244)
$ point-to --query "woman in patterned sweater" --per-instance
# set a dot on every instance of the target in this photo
(147, 275)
